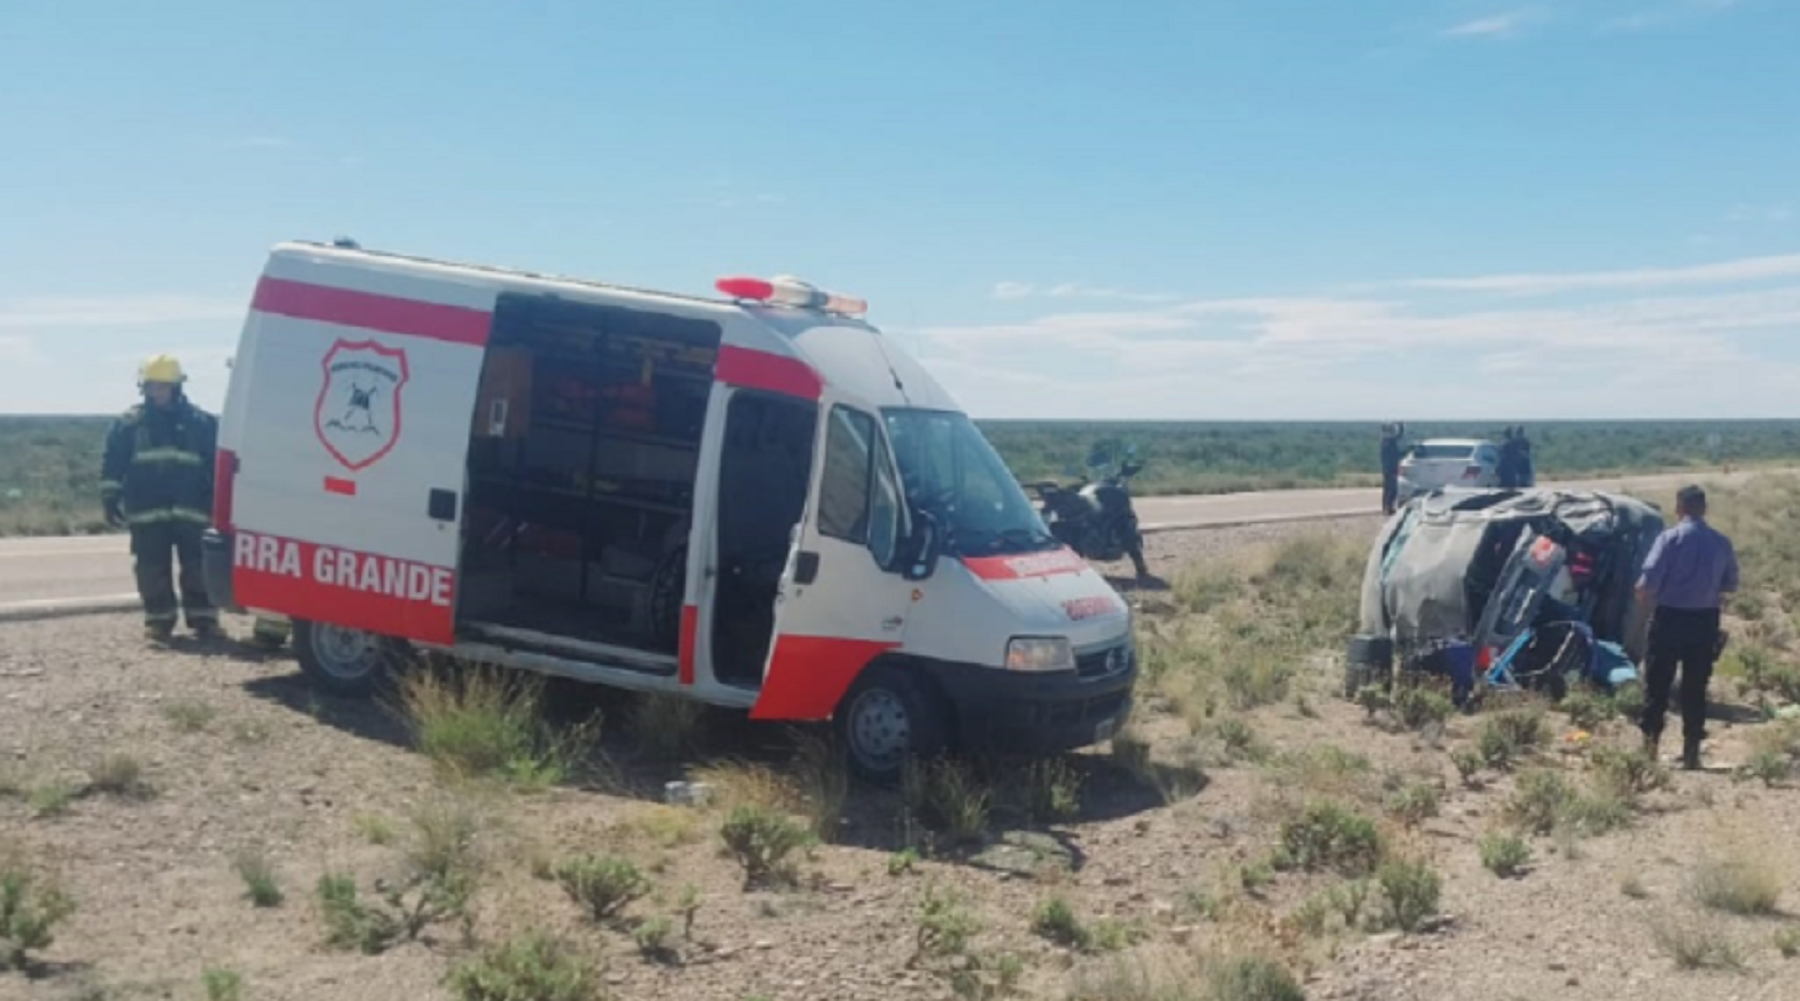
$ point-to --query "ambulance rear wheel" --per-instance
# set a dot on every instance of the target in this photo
(889, 717)
(344, 661)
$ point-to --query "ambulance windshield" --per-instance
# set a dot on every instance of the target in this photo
(950, 470)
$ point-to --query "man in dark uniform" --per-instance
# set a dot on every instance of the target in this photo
(157, 480)
(1390, 466)
(1690, 569)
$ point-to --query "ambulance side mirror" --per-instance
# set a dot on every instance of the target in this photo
(924, 544)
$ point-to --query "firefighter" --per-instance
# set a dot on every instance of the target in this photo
(157, 480)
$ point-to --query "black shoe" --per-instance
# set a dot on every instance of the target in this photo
(158, 634)
(1690, 756)
(207, 630)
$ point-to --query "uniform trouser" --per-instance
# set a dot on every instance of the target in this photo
(155, 547)
(1390, 490)
(1688, 639)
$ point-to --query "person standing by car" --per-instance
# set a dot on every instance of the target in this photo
(1390, 465)
(1508, 469)
(157, 481)
(1690, 569)
(1526, 473)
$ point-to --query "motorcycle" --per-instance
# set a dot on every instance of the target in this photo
(1095, 517)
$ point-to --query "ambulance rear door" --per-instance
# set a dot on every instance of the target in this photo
(351, 459)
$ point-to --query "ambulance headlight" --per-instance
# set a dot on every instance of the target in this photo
(1040, 653)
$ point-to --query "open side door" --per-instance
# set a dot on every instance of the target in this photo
(843, 601)
(350, 468)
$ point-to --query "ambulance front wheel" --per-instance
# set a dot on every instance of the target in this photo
(344, 661)
(890, 716)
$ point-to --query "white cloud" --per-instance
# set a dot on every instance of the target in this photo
(1077, 290)
(1775, 214)
(120, 311)
(1640, 342)
(261, 142)
(1503, 25)
(1012, 290)
(1670, 12)
(18, 351)
(1748, 269)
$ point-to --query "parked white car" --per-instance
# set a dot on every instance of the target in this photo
(1449, 462)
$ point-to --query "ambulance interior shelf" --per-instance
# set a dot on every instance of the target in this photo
(581, 469)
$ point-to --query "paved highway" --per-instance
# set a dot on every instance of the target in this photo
(54, 569)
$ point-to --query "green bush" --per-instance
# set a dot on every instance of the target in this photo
(762, 841)
(1587, 710)
(1411, 889)
(1055, 921)
(1509, 735)
(535, 967)
(1541, 800)
(604, 886)
(1328, 835)
(1414, 804)
(261, 884)
(30, 909)
(1504, 855)
(1420, 707)
(222, 985)
(1251, 979)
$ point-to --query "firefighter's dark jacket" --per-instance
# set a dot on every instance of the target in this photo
(159, 463)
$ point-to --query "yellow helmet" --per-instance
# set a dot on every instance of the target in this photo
(161, 368)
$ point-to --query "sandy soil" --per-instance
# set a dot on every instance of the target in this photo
(306, 780)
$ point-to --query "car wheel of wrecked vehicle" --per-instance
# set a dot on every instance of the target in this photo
(889, 716)
(1368, 660)
(345, 661)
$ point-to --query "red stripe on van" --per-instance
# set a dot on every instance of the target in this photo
(339, 485)
(369, 311)
(1057, 561)
(342, 587)
(690, 631)
(771, 372)
(808, 675)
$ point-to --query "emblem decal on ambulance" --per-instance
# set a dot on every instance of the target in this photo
(358, 414)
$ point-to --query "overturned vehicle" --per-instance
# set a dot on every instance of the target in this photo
(1510, 589)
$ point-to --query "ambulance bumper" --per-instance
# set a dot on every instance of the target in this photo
(1013, 712)
(215, 561)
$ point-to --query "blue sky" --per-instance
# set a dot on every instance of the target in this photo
(1278, 209)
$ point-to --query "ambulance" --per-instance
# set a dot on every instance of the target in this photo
(753, 500)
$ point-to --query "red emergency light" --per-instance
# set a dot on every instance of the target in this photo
(786, 291)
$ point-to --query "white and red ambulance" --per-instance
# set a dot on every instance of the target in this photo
(755, 501)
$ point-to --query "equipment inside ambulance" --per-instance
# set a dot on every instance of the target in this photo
(757, 502)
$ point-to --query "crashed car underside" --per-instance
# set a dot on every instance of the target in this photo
(1535, 585)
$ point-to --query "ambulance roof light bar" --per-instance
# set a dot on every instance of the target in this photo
(786, 290)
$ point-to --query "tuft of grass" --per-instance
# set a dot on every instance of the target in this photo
(903, 861)
(1260, 678)
(1632, 885)
(1787, 942)
(478, 722)
(1586, 710)
(1628, 701)
(51, 799)
(666, 726)
(534, 967)
(1052, 790)
(1328, 835)
(441, 872)
(1629, 773)
(1056, 922)
(603, 886)
(652, 938)
(667, 827)
(1697, 946)
(1238, 738)
(350, 922)
(1505, 855)
(189, 716)
(763, 841)
(1419, 707)
(1508, 736)
(262, 886)
(1770, 767)
(945, 927)
(222, 984)
(1251, 979)
(823, 774)
(375, 829)
(1411, 888)
(1541, 799)
(1414, 804)
(1468, 765)
(31, 906)
(948, 796)
(1598, 812)
(119, 775)
(1744, 887)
